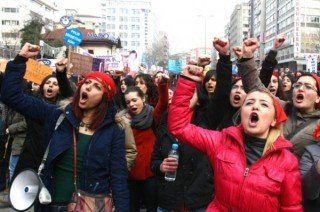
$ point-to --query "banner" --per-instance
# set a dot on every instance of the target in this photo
(82, 64)
(36, 72)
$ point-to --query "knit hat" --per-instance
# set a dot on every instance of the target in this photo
(280, 114)
(107, 82)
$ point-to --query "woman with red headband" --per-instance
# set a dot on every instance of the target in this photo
(101, 162)
(254, 169)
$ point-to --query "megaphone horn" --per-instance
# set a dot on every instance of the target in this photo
(24, 190)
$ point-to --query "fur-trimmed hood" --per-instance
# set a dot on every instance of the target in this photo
(123, 118)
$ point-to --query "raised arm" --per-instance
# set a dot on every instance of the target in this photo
(64, 84)
(246, 65)
(180, 114)
(12, 93)
(270, 62)
(162, 103)
(218, 105)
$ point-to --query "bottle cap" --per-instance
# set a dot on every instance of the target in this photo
(175, 146)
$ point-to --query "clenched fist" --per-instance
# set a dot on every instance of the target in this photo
(29, 50)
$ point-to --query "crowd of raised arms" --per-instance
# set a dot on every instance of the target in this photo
(246, 142)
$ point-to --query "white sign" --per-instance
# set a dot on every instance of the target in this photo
(297, 29)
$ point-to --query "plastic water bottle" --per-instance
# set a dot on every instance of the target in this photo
(171, 176)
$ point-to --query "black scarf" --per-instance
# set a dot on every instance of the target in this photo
(144, 119)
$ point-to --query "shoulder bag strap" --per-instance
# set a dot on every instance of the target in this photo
(74, 159)
(60, 119)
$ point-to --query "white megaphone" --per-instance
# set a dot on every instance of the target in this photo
(25, 189)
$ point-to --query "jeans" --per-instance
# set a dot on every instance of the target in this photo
(193, 210)
(143, 191)
(12, 165)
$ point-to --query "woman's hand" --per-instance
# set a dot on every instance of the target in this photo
(62, 65)
(169, 165)
(278, 41)
(249, 47)
(193, 72)
(29, 50)
(221, 46)
(238, 52)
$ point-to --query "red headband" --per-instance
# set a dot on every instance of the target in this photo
(107, 82)
(280, 114)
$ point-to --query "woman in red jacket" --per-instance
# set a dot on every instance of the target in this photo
(144, 119)
(254, 169)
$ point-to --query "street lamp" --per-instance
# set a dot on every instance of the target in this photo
(205, 30)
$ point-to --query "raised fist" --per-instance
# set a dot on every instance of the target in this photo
(29, 50)
(61, 65)
(193, 72)
(222, 46)
(238, 51)
(279, 40)
(249, 47)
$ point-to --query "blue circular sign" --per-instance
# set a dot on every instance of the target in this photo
(73, 37)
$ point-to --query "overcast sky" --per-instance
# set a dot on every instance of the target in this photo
(182, 20)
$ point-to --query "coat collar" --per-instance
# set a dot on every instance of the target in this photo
(236, 134)
(110, 117)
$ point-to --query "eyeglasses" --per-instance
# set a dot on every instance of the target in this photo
(236, 87)
(307, 86)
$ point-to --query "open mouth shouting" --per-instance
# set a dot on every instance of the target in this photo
(253, 119)
(133, 110)
(236, 99)
(299, 98)
(272, 90)
(83, 98)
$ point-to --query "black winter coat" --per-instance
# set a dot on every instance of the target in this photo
(193, 186)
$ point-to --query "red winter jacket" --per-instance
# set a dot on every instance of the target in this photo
(271, 184)
(145, 139)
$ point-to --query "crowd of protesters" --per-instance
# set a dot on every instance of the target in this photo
(247, 142)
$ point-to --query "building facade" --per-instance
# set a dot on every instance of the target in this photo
(298, 19)
(15, 14)
(239, 25)
(131, 20)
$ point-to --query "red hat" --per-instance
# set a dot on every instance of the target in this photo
(317, 81)
(275, 73)
(107, 82)
(280, 114)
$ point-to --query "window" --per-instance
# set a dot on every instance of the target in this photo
(123, 27)
(111, 11)
(10, 35)
(123, 18)
(135, 43)
(111, 26)
(123, 35)
(135, 11)
(123, 10)
(90, 51)
(111, 18)
(10, 22)
(135, 35)
(10, 10)
(135, 19)
(135, 27)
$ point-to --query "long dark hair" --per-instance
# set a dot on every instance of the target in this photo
(152, 90)
(40, 92)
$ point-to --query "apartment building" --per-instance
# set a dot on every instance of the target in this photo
(132, 20)
(15, 14)
(298, 19)
(239, 25)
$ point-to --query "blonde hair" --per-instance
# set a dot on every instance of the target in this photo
(274, 132)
